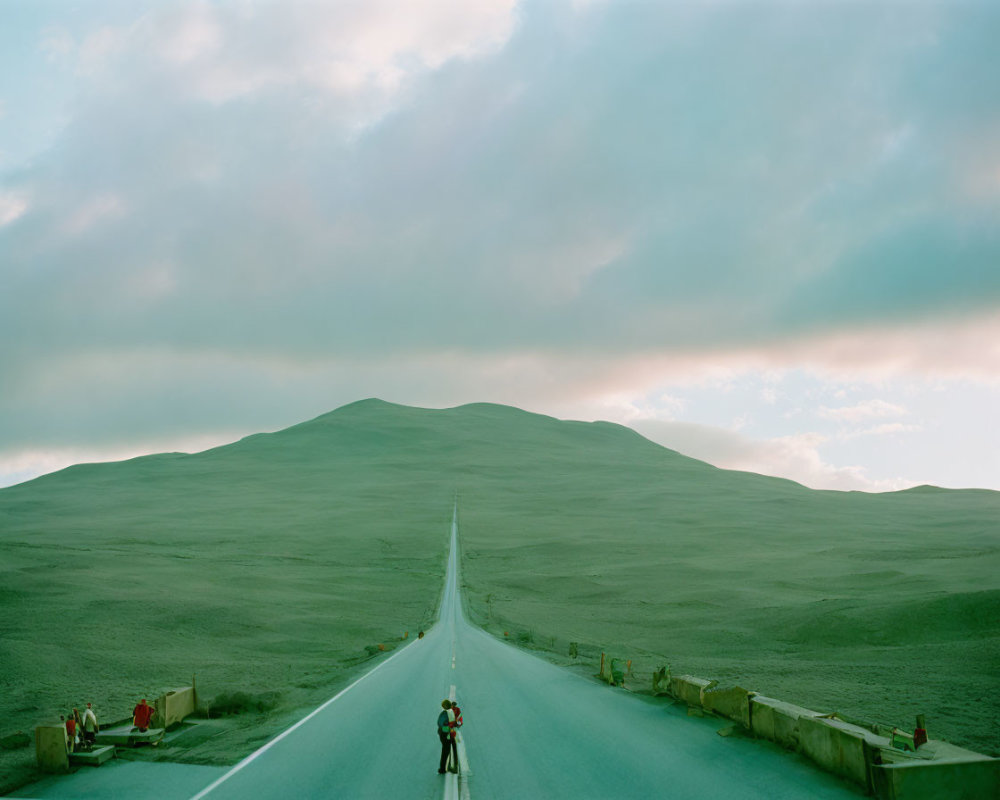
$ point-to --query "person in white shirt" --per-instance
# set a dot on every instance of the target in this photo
(90, 726)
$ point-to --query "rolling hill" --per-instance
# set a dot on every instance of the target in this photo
(275, 565)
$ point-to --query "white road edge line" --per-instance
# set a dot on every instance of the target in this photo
(456, 787)
(257, 753)
(463, 759)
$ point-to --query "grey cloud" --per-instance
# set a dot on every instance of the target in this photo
(926, 267)
(726, 165)
(795, 457)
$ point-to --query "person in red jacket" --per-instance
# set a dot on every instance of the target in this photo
(79, 729)
(141, 715)
(71, 733)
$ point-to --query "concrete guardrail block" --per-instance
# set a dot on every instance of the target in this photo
(777, 721)
(174, 705)
(977, 779)
(94, 757)
(732, 703)
(50, 748)
(839, 747)
(688, 688)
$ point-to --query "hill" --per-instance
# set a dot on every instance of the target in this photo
(275, 564)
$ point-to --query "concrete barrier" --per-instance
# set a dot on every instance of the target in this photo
(94, 757)
(777, 721)
(661, 680)
(612, 671)
(958, 779)
(174, 705)
(689, 688)
(840, 747)
(617, 672)
(50, 748)
(935, 771)
(127, 735)
(732, 703)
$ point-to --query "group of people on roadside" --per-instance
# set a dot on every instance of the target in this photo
(81, 729)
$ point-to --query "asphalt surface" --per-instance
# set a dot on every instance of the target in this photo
(532, 730)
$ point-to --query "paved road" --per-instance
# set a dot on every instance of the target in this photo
(532, 730)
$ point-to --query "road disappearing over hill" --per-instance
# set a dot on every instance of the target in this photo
(532, 730)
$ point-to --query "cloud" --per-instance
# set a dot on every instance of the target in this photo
(948, 347)
(794, 457)
(224, 52)
(254, 211)
(142, 399)
(441, 169)
(97, 50)
(12, 206)
(93, 211)
(22, 465)
(57, 43)
(862, 411)
(189, 34)
(885, 429)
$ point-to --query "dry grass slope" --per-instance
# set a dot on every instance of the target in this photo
(271, 564)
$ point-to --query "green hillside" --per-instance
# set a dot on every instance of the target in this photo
(272, 564)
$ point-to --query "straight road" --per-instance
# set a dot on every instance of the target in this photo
(531, 730)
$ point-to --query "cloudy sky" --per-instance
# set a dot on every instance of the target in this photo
(766, 234)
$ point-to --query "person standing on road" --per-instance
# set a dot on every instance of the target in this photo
(446, 734)
(90, 726)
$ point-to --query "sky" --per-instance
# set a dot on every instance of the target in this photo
(765, 234)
